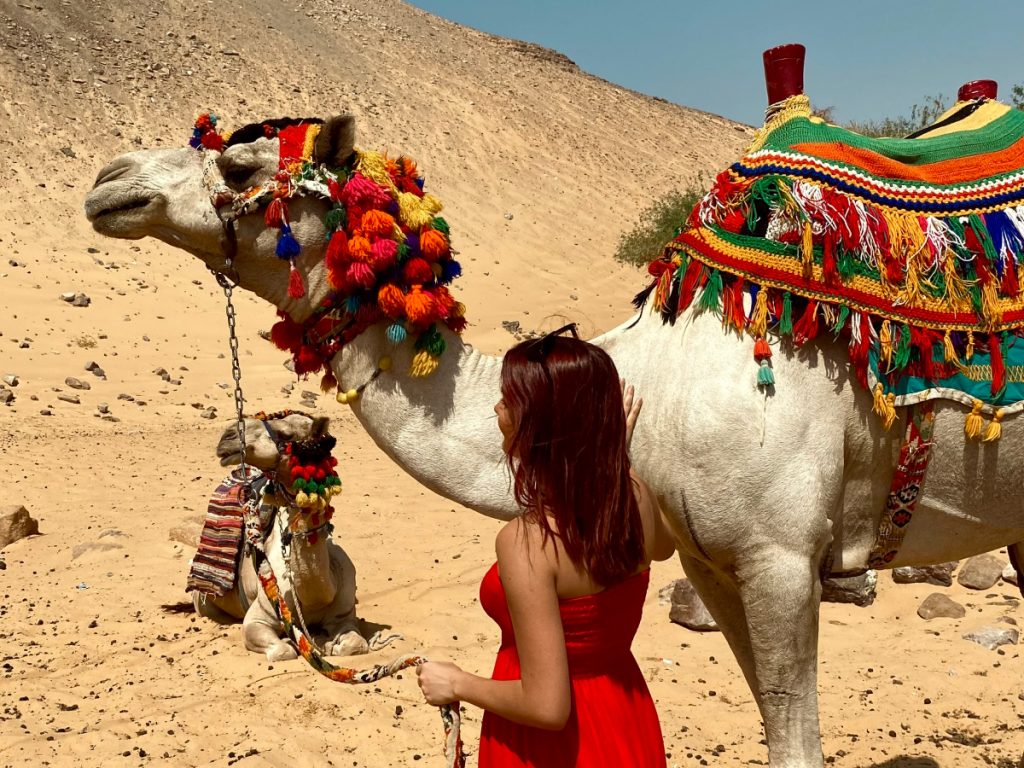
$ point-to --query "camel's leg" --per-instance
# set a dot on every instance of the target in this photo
(781, 592)
(206, 606)
(340, 621)
(722, 599)
(261, 631)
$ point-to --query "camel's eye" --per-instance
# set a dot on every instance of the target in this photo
(239, 175)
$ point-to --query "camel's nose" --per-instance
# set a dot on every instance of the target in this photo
(115, 170)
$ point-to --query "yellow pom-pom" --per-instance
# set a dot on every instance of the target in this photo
(353, 395)
(301, 499)
(974, 422)
(342, 397)
(311, 500)
(423, 364)
(384, 363)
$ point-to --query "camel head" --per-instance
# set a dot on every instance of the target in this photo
(184, 196)
(338, 239)
(261, 448)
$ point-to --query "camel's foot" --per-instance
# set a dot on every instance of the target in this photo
(348, 644)
(281, 651)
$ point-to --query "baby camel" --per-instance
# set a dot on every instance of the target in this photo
(318, 574)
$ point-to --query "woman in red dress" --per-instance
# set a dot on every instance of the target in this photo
(572, 573)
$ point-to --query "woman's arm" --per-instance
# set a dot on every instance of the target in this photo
(541, 697)
(662, 543)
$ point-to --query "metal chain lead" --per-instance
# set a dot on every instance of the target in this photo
(236, 368)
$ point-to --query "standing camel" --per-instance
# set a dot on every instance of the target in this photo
(765, 493)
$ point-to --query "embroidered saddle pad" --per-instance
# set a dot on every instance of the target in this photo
(215, 565)
(909, 249)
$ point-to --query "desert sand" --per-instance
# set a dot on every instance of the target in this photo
(541, 167)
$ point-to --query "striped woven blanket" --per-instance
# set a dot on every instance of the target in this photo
(215, 565)
(909, 249)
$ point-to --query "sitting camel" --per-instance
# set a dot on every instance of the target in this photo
(316, 572)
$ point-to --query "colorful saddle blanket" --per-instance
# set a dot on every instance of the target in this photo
(214, 567)
(909, 249)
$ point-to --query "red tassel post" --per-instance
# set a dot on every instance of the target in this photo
(995, 353)
(806, 328)
(1009, 285)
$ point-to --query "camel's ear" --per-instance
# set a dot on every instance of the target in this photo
(336, 142)
(320, 425)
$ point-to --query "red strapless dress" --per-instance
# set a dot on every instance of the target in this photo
(613, 723)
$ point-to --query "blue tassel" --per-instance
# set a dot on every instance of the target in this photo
(352, 304)
(396, 333)
(450, 270)
(287, 246)
(765, 377)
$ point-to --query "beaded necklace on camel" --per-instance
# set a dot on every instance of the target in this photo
(388, 254)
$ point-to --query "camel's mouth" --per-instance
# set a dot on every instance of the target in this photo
(115, 214)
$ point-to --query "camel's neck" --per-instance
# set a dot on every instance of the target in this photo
(307, 564)
(441, 429)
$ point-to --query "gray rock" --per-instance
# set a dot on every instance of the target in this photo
(16, 523)
(6, 397)
(75, 399)
(689, 610)
(938, 606)
(307, 395)
(940, 575)
(209, 413)
(103, 408)
(1009, 575)
(108, 417)
(512, 326)
(981, 572)
(11, 380)
(98, 372)
(124, 396)
(46, 412)
(81, 300)
(859, 590)
(24, 345)
(67, 296)
(74, 383)
(993, 637)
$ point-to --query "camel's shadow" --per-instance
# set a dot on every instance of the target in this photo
(904, 761)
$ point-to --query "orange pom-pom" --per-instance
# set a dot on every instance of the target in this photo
(391, 300)
(761, 350)
(359, 248)
(419, 306)
(378, 223)
(433, 244)
(417, 271)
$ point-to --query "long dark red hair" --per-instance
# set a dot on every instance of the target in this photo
(568, 453)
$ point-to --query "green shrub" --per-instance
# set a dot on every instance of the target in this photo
(1017, 96)
(921, 115)
(659, 223)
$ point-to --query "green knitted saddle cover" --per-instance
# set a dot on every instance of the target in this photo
(909, 249)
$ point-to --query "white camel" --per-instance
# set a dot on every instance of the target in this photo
(765, 494)
(320, 575)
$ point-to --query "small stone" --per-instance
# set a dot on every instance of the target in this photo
(981, 572)
(1009, 575)
(11, 380)
(68, 152)
(16, 523)
(940, 575)
(512, 326)
(689, 610)
(859, 590)
(69, 398)
(993, 637)
(91, 365)
(67, 296)
(289, 364)
(108, 417)
(46, 412)
(24, 345)
(210, 413)
(81, 300)
(74, 383)
(509, 216)
(103, 408)
(307, 395)
(124, 396)
(938, 606)
(6, 397)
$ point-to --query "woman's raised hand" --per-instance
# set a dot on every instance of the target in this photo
(631, 404)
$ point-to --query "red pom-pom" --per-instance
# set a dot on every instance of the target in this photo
(276, 213)
(383, 254)
(337, 255)
(361, 274)
(457, 324)
(444, 301)
(295, 287)
(213, 140)
(286, 334)
(307, 360)
(417, 271)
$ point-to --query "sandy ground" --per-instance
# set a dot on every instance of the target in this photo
(99, 667)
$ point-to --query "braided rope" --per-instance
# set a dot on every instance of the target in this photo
(450, 717)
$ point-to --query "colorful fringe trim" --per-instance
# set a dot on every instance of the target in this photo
(909, 249)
